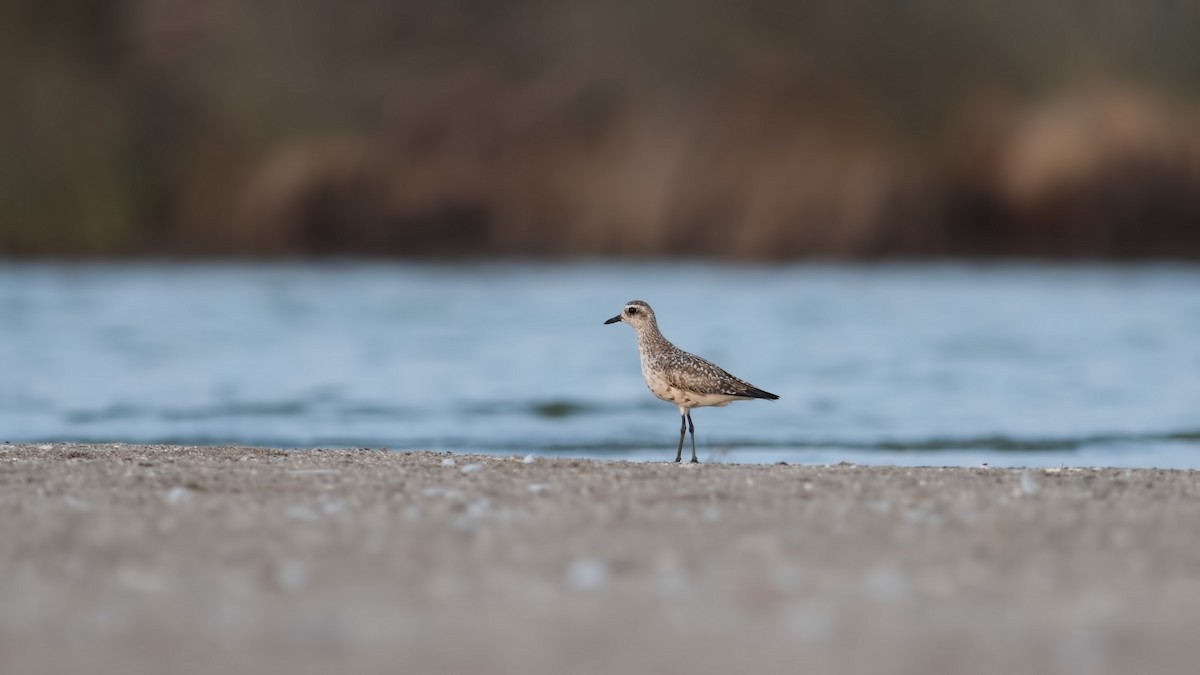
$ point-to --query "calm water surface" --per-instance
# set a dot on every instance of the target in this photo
(946, 364)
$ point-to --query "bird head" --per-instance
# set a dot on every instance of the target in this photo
(636, 313)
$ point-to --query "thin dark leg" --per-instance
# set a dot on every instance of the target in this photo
(682, 431)
(692, 430)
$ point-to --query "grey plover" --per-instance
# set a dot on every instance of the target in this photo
(678, 377)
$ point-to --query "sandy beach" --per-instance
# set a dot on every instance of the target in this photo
(151, 559)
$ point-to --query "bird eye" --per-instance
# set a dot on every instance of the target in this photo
(631, 311)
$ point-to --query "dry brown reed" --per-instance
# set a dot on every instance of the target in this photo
(756, 130)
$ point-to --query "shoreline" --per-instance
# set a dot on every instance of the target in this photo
(125, 558)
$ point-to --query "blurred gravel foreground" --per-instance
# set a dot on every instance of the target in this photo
(151, 559)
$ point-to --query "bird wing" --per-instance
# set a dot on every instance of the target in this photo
(692, 373)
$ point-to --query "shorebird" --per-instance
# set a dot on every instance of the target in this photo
(678, 377)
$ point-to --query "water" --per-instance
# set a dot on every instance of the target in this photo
(934, 364)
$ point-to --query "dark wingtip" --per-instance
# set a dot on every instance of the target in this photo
(755, 392)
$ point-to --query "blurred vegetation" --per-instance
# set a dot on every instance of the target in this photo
(756, 129)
